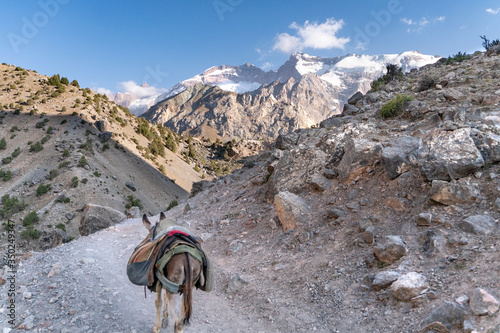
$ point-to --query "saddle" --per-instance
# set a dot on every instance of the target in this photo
(147, 262)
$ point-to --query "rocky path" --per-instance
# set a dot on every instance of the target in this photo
(82, 287)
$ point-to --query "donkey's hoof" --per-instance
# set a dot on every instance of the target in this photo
(164, 323)
(156, 329)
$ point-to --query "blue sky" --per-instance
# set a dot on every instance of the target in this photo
(105, 43)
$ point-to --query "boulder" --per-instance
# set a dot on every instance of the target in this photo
(424, 219)
(292, 210)
(97, 217)
(447, 155)
(397, 158)
(452, 94)
(105, 136)
(372, 97)
(358, 96)
(287, 141)
(131, 186)
(390, 249)
(359, 156)
(449, 314)
(53, 238)
(335, 121)
(349, 110)
(483, 303)
(479, 224)
(103, 125)
(320, 183)
(408, 286)
(133, 212)
(294, 171)
(384, 279)
(451, 193)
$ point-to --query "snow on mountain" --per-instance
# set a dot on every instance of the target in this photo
(344, 73)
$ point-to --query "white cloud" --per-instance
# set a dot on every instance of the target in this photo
(267, 65)
(493, 11)
(103, 91)
(139, 91)
(312, 35)
(418, 26)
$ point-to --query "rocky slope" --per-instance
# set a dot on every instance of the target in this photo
(301, 93)
(367, 224)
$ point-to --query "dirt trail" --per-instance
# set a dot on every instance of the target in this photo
(91, 291)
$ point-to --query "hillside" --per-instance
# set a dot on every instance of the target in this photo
(66, 147)
(381, 219)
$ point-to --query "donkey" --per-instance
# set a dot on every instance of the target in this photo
(183, 270)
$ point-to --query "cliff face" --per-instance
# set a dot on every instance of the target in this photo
(301, 93)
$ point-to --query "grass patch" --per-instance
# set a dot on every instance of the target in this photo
(30, 219)
(172, 204)
(42, 189)
(133, 202)
(394, 107)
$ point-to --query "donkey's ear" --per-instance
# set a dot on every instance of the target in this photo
(146, 222)
(162, 216)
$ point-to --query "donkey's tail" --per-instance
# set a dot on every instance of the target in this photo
(187, 291)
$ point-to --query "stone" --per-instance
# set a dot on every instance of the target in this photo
(451, 193)
(235, 284)
(287, 141)
(103, 125)
(55, 270)
(424, 219)
(408, 286)
(358, 96)
(349, 110)
(334, 213)
(452, 94)
(105, 136)
(234, 247)
(131, 186)
(70, 216)
(292, 210)
(369, 234)
(320, 183)
(468, 327)
(449, 314)
(397, 157)
(97, 217)
(395, 203)
(483, 303)
(52, 238)
(479, 224)
(330, 173)
(133, 212)
(390, 249)
(447, 155)
(335, 121)
(187, 208)
(437, 245)
(359, 157)
(384, 279)
(372, 97)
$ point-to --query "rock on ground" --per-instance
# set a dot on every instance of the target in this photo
(408, 286)
(97, 217)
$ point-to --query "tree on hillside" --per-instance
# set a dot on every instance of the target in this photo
(3, 144)
(487, 44)
(170, 143)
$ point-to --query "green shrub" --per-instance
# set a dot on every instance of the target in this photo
(395, 106)
(37, 147)
(75, 83)
(97, 174)
(85, 180)
(88, 145)
(53, 174)
(426, 83)
(64, 80)
(393, 73)
(82, 162)
(459, 57)
(61, 226)
(30, 233)
(14, 128)
(172, 204)
(64, 109)
(16, 152)
(487, 44)
(156, 147)
(11, 206)
(191, 151)
(66, 153)
(30, 219)
(7, 160)
(64, 164)
(74, 182)
(45, 139)
(50, 129)
(133, 202)
(3, 144)
(6, 176)
(42, 189)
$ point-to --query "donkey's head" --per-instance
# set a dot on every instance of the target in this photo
(150, 226)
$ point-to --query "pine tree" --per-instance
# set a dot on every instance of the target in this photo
(3, 144)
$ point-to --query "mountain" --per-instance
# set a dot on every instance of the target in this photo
(250, 103)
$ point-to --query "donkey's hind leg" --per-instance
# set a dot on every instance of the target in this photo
(164, 322)
(157, 327)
